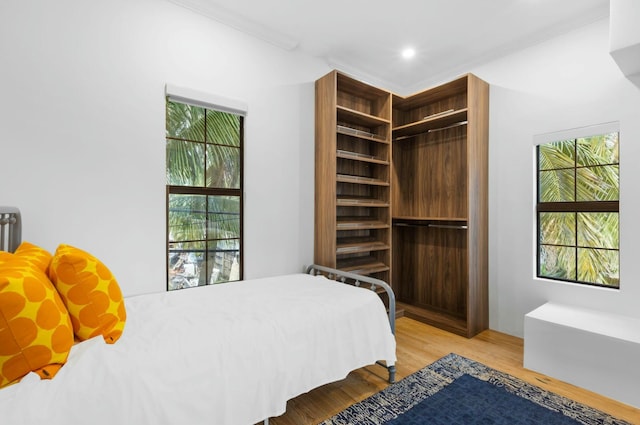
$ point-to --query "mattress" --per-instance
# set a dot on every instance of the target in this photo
(232, 353)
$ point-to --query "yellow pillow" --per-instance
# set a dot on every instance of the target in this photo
(5, 257)
(35, 329)
(35, 255)
(90, 292)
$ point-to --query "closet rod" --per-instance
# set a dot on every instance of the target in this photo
(447, 127)
(439, 226)
(449, 226)
(431, 130)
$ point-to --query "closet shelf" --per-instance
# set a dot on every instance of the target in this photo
(353, 201)
(431, 222)
(353, 132)
(434, 95)
(430, 123)
(448, 322)
(352, 116)
(359, 223)
(439, 222)
(433, 225)
(345, 178)
(412, 219)
(357, 88)
(362, 265)
(354, 246)
(360, 157)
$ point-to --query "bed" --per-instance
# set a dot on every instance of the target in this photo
(230, 353)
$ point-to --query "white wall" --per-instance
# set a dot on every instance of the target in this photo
(82, 140)
(82, 148)
(565, 83)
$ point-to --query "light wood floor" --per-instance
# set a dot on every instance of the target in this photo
(419, 345)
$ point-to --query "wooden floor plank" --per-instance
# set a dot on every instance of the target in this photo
(418, 345)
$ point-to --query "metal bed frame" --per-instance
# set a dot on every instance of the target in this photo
(366, 282)
(10, 228)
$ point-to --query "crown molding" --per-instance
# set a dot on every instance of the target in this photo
(238, 22)
(360, 74)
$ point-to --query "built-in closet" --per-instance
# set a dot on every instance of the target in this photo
(401, 193)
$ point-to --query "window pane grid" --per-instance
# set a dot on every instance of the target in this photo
(579, 166)
(550, 269)
(204, 196)
(578, 210)
(202, 142)
(579, 246)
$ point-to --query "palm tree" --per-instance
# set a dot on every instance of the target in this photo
(579, 246)
(203, 151)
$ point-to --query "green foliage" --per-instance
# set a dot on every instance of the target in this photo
(579, 246)
(203, 151)
(203, 147)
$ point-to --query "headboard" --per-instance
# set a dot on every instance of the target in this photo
(10, 228)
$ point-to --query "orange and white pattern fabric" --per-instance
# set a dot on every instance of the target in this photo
(35, 330)
(90, 292)
(35, 255)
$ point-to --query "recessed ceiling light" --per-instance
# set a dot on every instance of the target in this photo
(408, 52)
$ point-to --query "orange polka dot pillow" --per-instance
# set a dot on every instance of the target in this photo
(35, 330)
(37, 256)
(5, 257)
(90, 292)
(30, 253)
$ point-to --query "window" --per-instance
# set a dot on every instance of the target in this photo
(578, 210)
(204, 195)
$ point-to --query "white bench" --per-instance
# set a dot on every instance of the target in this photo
(591, 349)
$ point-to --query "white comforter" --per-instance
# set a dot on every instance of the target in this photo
(225, 354)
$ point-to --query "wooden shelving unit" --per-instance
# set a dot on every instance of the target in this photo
(440, 205)
(353, 179)
(401, 193)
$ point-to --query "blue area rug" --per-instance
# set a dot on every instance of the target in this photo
(458, 391)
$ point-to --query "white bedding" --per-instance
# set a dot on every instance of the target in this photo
(224, 354)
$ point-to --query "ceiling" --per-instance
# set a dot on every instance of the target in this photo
(364, 37)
